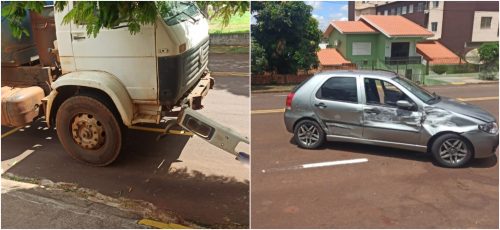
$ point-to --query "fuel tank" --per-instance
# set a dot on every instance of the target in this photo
(20, 105)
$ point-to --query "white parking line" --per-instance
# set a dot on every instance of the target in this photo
(318, 165)
(7, 164)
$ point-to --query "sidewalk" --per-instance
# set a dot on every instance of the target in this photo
(27, 205)
(457, 79)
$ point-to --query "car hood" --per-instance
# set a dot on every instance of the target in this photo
(463, 108)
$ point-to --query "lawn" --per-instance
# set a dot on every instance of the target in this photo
(237, 24)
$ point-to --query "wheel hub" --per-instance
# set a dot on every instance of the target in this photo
(87, 131)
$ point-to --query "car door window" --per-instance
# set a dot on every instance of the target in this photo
(339, 89)
(379, 92)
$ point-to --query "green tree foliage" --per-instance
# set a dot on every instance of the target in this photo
(488, 53)
(15, 13)
(223, 9)
(259, 61)
(111, 14)
(288, 34)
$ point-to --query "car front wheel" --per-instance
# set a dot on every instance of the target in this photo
(451, 150)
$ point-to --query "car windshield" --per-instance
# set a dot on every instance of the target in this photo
(174, 12)
(416, 90)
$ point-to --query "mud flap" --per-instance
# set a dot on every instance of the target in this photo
(214, 133)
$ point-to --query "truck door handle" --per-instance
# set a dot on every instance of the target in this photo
(320, 105)
(78, 37)
(374, 110)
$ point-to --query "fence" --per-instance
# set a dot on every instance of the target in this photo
(264, 79)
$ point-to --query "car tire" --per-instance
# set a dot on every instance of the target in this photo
(451, 150)
(308, 134)
(88, 130)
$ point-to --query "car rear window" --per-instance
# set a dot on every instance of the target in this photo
(339, 89)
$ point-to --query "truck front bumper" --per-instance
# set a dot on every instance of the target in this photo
(193, 100)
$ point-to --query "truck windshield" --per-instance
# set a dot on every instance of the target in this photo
(174, 12)
(421, 93)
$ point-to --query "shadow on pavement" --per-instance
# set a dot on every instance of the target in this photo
(238, 87)
(142, 171)
(399, 153)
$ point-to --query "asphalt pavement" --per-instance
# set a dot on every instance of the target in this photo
(380, 188)
(177, 173)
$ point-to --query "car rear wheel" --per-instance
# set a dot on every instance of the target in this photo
(88, 130)
(451, 150)
(308, 134)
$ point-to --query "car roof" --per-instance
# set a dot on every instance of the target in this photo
(355, 73)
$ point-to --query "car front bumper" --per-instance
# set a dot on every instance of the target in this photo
(485, 144)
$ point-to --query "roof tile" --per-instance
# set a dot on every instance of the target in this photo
(330, 56)
(395, 25)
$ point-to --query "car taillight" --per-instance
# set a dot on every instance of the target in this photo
(289, 99)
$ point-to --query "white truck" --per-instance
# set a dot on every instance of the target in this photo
(117, 81)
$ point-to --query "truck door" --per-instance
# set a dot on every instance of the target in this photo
(336, 104)
(131, 58)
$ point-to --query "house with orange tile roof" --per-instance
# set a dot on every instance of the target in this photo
(379, 42)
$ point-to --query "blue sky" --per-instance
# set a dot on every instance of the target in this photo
(327, 11)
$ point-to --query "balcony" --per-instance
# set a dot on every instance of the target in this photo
(403, 60)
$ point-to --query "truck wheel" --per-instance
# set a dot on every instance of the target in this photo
(451, 150)
(88, 130)
(308, 134)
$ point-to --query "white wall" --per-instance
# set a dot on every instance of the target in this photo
(485, 35)
(435, 15)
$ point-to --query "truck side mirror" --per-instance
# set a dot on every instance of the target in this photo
(404, 104)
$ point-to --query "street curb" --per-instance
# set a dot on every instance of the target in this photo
(161, 225)
(231, 74)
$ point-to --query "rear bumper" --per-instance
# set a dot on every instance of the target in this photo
(290, 119)
(485, 144)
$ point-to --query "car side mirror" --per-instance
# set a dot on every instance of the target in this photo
(404, 104)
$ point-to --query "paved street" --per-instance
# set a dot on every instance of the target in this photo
(387, 188)
(179, 174)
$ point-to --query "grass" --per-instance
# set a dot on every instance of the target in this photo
(237, 24)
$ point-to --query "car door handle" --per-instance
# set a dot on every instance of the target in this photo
(320, 105)
(374, 110)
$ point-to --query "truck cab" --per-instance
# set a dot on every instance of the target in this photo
(116, 80)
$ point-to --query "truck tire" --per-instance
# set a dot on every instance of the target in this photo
(89, 130)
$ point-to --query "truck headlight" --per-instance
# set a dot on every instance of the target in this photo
(491, 127)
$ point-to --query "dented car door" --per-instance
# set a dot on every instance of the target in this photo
(383, 120)
(336, 105)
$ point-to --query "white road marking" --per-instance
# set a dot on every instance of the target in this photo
(333, 163)
(317, 165)
(7, 164)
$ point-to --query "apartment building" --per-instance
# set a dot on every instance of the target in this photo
(460, 26)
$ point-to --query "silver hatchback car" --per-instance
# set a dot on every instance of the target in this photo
(381, 108)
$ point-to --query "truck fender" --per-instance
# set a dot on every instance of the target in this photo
(100, 80)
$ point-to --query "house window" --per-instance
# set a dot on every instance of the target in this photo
(361, 48)
(485, 22)
(393, 11)
(410, 8)
(386, 12)
(400, 49)
(434, 26)
(399, 10)
(435, 4)
(403, 10)
(420, 7)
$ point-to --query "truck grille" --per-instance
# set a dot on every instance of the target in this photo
(177, 74)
